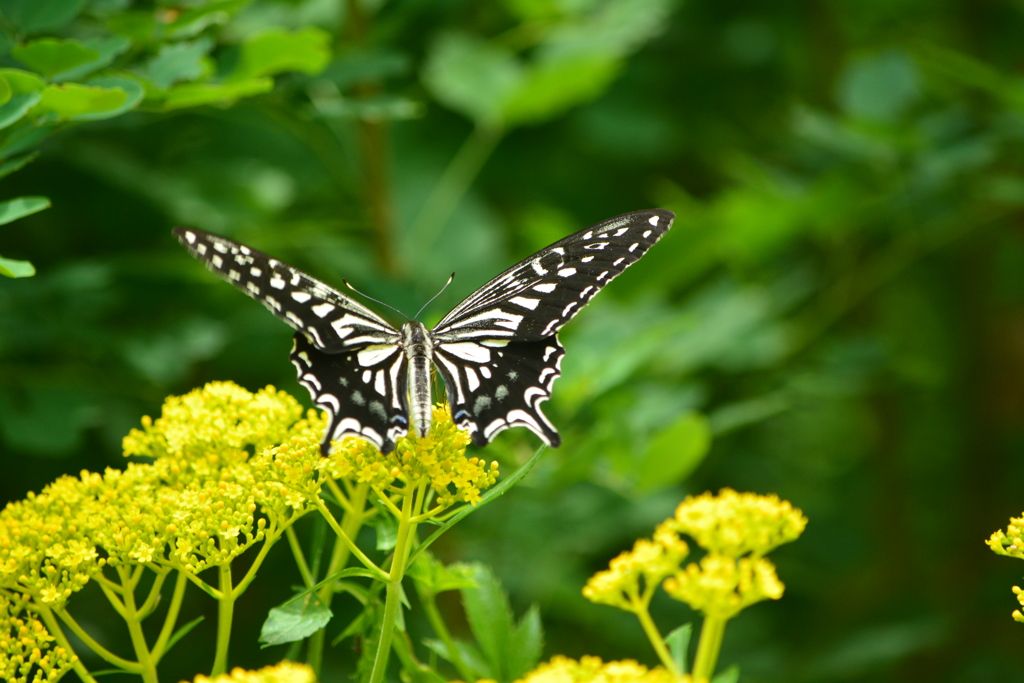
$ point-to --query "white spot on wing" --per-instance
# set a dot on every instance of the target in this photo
(572, 304)
(217, 261)
(471, 379)
(653, 220)
(546, 287)
(323, 309)
(633, 246)
(647, 233)
(252, 287)
(620, 231)
(201, 248)
(190, 236)
(567, 272)
(486, 372)
(276, 282)
(367, 375)
(255, 272)
(470, 351)
(220, 247)
(378, 383)
(587, 259)
(372, 355)
(537, 267)
(301, 297)
(548, 350)
(525, 302)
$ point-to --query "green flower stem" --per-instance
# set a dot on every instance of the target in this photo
(347, 540)
(129, 581)
(225, 613)
(160, 647)
(392, 603)
(300, 557)
(657, 641)
(270, 538)
(111, 590)
(154, 591)
(53, 626)
(351, 523)
(451, 187)
(429, 602)
(104, 653)
(711, 634)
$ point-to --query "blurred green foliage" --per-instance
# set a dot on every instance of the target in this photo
(837, 316)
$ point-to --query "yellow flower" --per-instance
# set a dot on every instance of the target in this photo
(285, 672)
(619, 585)
(438, 459)
(720, 586)
(592, 670)
(735, 524)
(1010, 542)
(27, 649)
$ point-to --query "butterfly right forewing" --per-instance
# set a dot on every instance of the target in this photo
(332, 321)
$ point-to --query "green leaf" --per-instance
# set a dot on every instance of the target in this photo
(108, 48)
(730, 675)
(879, 87)
(472, 77)
(551, 88)
(433, 577)
(678, 642)
(133, 89)
(526, 644)
(13, 268)
(387, 532)
(490, 618)
(49, 56)
(17, 107)
(195, 20)
(278, 50)
(182, 632)
(195, 94)
(11, 165)
(5, 92)
(186, 61)
(294, 620)
(13, 209)
(674, 452)
(32, 16)
(73, 100)
(491, 494)
(22, 81)
(23, 136)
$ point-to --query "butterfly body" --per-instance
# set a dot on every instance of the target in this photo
(497, 351)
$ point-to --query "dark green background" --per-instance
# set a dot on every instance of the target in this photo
(842, 297)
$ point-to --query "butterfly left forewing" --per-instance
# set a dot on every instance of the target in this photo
(363, 391)
(494, 386)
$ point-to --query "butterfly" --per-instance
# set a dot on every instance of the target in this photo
(497, 351)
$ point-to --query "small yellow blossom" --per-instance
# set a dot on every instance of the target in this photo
(720, 586)
(619, 585)
(438, 459)
(28, 652)
(285, 672)
(592, 670)
(735, 524)
(1010, 542)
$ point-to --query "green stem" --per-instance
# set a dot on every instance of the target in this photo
(300, 557)
(53, 626)
(657, 641)
(452, 186)
(392, 603)
(351, 523)
(349, 543)
(133, 619)
(711, 634)
(225, 612)
(160, 647)
(441, 631)
(104, 653)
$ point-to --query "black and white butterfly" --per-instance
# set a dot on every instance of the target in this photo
(497, 351)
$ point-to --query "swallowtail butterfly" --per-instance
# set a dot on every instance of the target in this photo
(497, 351)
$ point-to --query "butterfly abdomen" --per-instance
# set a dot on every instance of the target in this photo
(419, 349)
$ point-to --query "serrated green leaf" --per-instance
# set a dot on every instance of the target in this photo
(14, 268)
(678, 642)
(277, 50)
(13, 209)
(433, 577)
(674, 452)
(11, 165)
(472, 76)
(186, 61)
(294, 620)
(490, 618)
(195, 94)
(73, 100)
(108, 48)
(134, 94)
(49, 56)
(470, 656)
(526, 644)
(32, 16)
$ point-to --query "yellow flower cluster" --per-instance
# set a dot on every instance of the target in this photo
(285, 672)
(438, 459)
(592, 670)
(735, 529)
(1011, 544)
(27, 650)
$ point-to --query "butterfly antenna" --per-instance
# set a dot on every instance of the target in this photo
(450, 278)
(367, 296)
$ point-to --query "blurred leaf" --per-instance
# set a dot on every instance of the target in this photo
(73, 100)
(22, 81)
(470, 656)
(13, 268)
(195, 19)
(5, 92)
(674, 452)
(17, 107)
(133, 89)
(962, 68)
(379, 108)
(472, 76)
(13, 209)
(433, 577)
(295, 620)
(46, 419)
(730, 675)
(275, 51)
(108, 49)
(879, 87)
(614, 28)
(387, 532)
(367, 67)
(168, 355)
(678, 642)
(49, 56)
(185, 61)
(552, 87)
(32, 16)
(24, 135)
(12, 165)
(195, 94)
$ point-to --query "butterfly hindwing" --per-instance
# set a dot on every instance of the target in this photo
(363, 391)
(493, 387)
(333, 321)
(534, 298)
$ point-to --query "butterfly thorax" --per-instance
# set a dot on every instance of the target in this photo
(419, 349)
